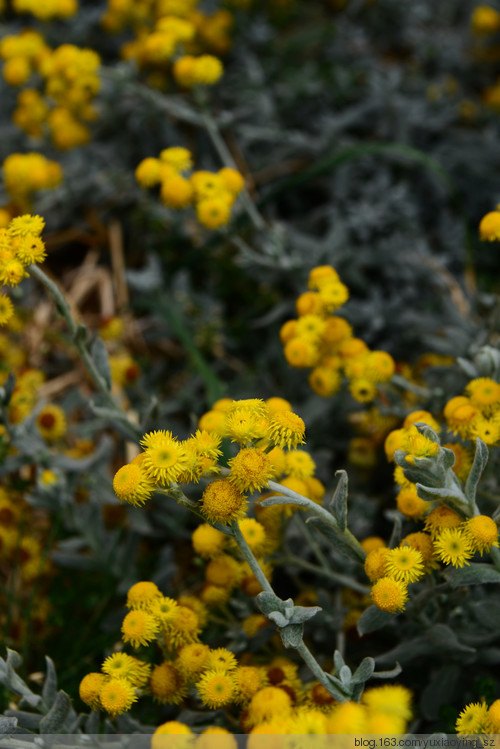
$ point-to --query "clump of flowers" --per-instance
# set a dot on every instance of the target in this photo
(477, 413)
(26, 173)
(47, 10)
(212, 194)
(323, 342)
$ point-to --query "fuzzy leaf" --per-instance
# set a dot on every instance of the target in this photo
(364, 671)
(301, 614)
(333, 536)
(345, 675)
(431, 493)
(277, 618)
(100, 357)
(473, 574)
(389, 674)
(487, 613)
(480, 459)
(291, 635)
(268, 602)
(26, 721)
(372, 619)
(448, 457)
(338, 504)
(338, 660)
(53, 722)
(7, 725)
(467, 367)
(49, 690)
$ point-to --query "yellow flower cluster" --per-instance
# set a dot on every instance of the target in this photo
(20, 246)
(23, 54)
(25, 173)
(71, 83)
(323, 342)
(211, 193)
(478, 718)
(477, 413)
(270, 697)
(172, 34)
(446, 537)
(48, 9)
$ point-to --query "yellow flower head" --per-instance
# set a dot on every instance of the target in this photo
(139, 628)
(393, 699)
(362, 389)
(488, 430)
(184, 626)
(148, 173)
(117, 696)
(347, 718)
(124, 666)
(301, 352)
(418, 445)
(232, 179)
(485, 20)
(216, 688)
(132, 485)
(224, 571)
(249, 679)
(375, 562)
(176, 192)
(424, 417)
(221, 659)
(6, 309)
(167, 685)
(192, 658)
(254, 534)
(310, 327)
(142, 595)
(494, 717)
(251, 469)
(482, 532)
(299, 463)
(208, 542)
(442, 517)
(333, 294)
(370, 543)
(269, 703)
(90, 689)
(453, 546)
(51, 422)
(489, 227)
(422, 542)
(214, 212)
(222, 502)
(165, 457)
(409, 503)
(177, 157)
(389, 595)
(483, 392)
(26, 225)
(405, 564)
(473, 719)
(325, 381)
(286, 429)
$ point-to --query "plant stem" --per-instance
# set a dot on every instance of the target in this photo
(318, 672)
(327, 518)
(250, 558)
(79, 335)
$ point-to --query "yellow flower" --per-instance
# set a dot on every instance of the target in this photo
(25, 225)
(347, 718)
(216, 688)
(404, 564)
(232, 179)
(207, 541)
(207, 70)
(489, 227)
(254, 534)
(29, 249)
(90, 689)
(172, 728)
(192, 658)
(301, 352)
(51, 422)
(222, 502)
(424, 417)
(410, 504)
(131, 485)
(485, 20)
(393, 699)
(375, 562)
(139, 628)
(422, 542)
(483, 392)
(214, 212)
(117, 696)
(299, 464)
(325, 381)
(224, 571)
(333, 294)
(164, 610)
(482, 532)
(124, 666)
(389, 595)
(176, 192)
(454, 547)
(177, 157)
(363, 390)
(494, 717)
(320, 275)
(251, 469)
(142, 595)
(418, 445)
(183, 627)
(440, 518)
(148, 172)
(286, 429)
(224, 740)
(269, 703)
(167, 685)
(6, 309)
(165, 457)
(488, 430)
(473, 719)
(221, 659)
(249, 679)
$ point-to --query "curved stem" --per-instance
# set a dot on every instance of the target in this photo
(250, 558)
(318, 672)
